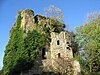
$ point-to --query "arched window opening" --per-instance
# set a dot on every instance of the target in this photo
(45, 25)
(58, 42)
(59, 55)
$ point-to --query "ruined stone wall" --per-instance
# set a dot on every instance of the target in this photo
(30, 22)
(60, 44)
(58, 49)
(27, 22)
(58, 57)
(76, 67)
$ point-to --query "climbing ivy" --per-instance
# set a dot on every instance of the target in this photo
(12, 49)
(23, 48)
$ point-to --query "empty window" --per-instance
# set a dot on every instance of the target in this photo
(50, 39)
(45, 25)
(57, 42)
(43, 53)
(68, 48)
(67, 42)
(58, 55)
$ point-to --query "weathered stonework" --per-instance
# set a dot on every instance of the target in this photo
(27, 22)
(30, 22)
(60, 54)
(60, 47)
(76, 68)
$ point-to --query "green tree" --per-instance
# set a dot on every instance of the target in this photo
(88, 37)
(32, 43)
(12, 49)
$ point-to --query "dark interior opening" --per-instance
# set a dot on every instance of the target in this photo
(45, 25)
(58, 42)
(50, 39)
(43, 53)
(68, 48)
(67, 42)
(58, 55)
(36, 19)
(69, 45)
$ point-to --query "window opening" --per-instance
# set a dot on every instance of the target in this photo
(58, 55)
(45, 25)
(58, 42)
(67, 43)
(43, 53)
(68, 48)
(50, 39)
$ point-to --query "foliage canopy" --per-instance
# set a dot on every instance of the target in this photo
(88, 37)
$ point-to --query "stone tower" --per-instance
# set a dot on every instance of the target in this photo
(60, 47)
(59, 53)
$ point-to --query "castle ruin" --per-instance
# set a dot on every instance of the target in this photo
(49, 59)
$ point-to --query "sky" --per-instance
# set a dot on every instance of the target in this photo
(74, 13)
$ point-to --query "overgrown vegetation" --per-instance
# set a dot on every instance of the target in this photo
(13, 48)
(88, 38)
(1, 72)
(22, 48)
(21, 51)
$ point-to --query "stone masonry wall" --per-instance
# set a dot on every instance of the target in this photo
(60, 46)
(27, 22)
